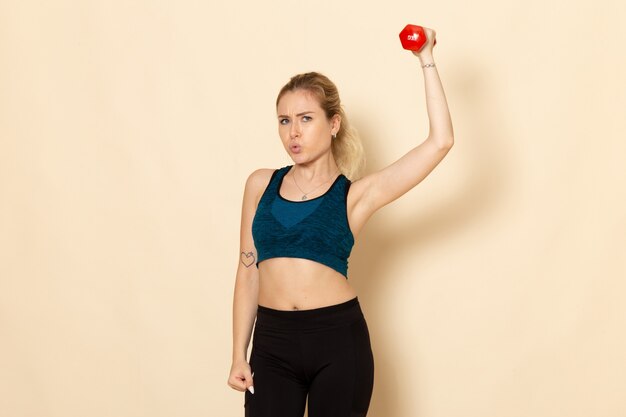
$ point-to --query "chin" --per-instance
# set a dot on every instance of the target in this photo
(297, 158)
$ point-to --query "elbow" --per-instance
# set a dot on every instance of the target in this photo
(445, 143)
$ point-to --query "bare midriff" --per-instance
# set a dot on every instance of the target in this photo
(300, 284)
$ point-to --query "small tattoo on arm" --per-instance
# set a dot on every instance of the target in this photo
(247, 259)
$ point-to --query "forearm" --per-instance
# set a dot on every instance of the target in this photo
(245, 302)
(440, 123)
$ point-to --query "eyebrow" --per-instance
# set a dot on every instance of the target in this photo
(297, 115)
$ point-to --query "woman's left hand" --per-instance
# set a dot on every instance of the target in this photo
(427, 49)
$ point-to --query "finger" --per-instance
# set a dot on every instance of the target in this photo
(236, 386)
(251, 387)
(249, 379)
(238, 382)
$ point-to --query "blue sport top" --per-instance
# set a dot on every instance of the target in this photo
(315, 229)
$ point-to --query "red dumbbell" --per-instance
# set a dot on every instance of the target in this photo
(413, 38)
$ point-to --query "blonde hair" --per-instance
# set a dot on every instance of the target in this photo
(347, 148)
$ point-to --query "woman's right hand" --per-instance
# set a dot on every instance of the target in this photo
(240, 376)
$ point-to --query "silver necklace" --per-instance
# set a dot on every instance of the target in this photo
(304, 195)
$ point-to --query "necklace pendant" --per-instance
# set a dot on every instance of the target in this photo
(304, 197)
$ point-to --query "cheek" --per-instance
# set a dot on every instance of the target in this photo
(282, 131)
(322, 132)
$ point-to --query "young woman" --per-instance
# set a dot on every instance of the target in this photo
(298, 227)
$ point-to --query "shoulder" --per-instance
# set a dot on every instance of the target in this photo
(259, 177)
(257, 181)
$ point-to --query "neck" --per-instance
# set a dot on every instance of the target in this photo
(316, 171)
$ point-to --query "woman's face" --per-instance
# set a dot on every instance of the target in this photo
(303, 127)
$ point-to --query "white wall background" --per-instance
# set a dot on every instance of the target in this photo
(128, 128)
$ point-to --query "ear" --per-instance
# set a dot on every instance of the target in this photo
(335, 124)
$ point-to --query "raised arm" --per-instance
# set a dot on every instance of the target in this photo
(246, 291)
(382, 187)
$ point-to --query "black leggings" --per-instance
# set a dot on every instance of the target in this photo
(323, 352)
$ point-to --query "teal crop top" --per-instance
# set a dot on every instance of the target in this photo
(315, 229)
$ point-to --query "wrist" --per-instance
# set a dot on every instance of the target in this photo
(240, 356)
(426, 58)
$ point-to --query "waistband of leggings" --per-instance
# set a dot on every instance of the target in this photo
(333, 315)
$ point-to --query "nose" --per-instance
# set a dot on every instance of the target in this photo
(294, 130)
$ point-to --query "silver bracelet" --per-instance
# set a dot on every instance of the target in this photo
(428, 65)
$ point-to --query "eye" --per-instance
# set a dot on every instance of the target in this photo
(283, 121)
(306, 118)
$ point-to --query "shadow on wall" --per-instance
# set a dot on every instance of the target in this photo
(483, 179)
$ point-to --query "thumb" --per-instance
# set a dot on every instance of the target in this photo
(249, 383)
